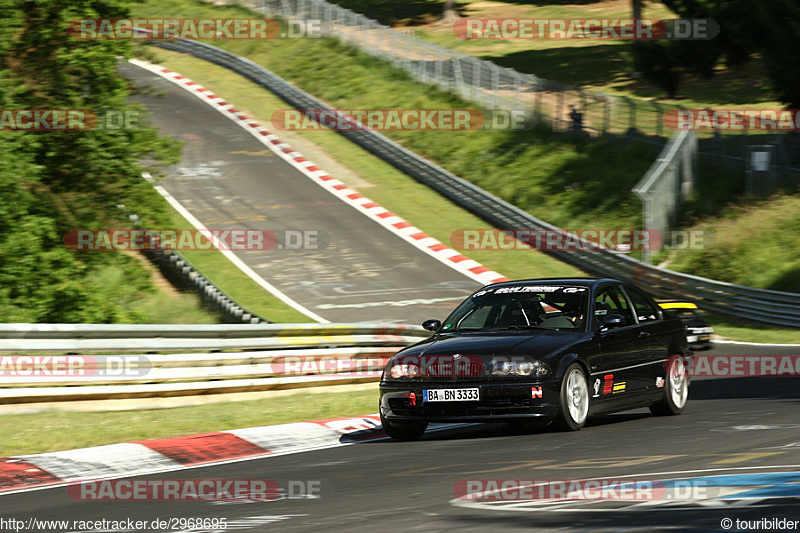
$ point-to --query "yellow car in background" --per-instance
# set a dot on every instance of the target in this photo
(698, 331)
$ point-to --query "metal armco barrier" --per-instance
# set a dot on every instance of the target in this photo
(285, 356)
(122, 338)
(773, 307)
(181, 272)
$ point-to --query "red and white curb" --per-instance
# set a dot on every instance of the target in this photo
(387, 219)
(26, 472)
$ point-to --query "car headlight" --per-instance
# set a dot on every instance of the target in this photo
(404, 371)
(505, 368)
(521, 368)
(525, 368)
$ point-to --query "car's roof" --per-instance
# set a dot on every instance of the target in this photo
(580, 282)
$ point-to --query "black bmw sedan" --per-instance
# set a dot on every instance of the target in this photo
(542, 350)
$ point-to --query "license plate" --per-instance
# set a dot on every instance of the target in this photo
(450, 395)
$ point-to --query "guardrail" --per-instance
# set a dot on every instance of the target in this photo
(276, 357)
(117, 338)
(181, 272)
(773, 307)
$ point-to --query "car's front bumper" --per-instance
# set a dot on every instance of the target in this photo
(497, 401)
(699, 341)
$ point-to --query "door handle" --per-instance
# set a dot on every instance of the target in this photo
(644, 334)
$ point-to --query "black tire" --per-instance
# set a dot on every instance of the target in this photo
(573, 405)
(404, 430)
(676, 389)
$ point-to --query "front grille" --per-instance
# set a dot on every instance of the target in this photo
(450, 370)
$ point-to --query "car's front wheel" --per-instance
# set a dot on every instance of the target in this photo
(403, 430)
(573, 409)
(676, 389)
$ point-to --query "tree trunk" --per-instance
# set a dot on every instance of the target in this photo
(450, 13)
(636, 13)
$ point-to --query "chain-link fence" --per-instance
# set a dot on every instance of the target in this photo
(768, 306)
(734, 153)
(476, 80)
(562, 107)
(668, 183)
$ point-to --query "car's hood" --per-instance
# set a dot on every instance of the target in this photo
(535, 343)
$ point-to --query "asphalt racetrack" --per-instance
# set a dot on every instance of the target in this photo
(734, 454)
(745, 432)
(229, 180)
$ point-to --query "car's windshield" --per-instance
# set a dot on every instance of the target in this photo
(521, 307)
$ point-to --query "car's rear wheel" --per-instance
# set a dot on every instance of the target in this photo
(676, 389)
(403, 430)
(573, 409)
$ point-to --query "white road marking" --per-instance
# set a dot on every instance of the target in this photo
(233, 258)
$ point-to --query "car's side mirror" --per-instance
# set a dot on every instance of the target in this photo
(432, 325)
(613, 321)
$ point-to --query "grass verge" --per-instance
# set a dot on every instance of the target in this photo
(398, 192)
(754, 244)
(367, 173)
(235, 283)
(143, 296)
(564, 179)
(604, 65)
(53, 430)
(747, 331)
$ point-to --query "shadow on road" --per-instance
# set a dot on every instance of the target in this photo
(779, 387)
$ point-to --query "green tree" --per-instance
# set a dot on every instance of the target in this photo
(54, 181)
(768, 28)
(777, 42)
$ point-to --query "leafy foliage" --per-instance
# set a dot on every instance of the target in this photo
(768, 28)
(53, 181)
